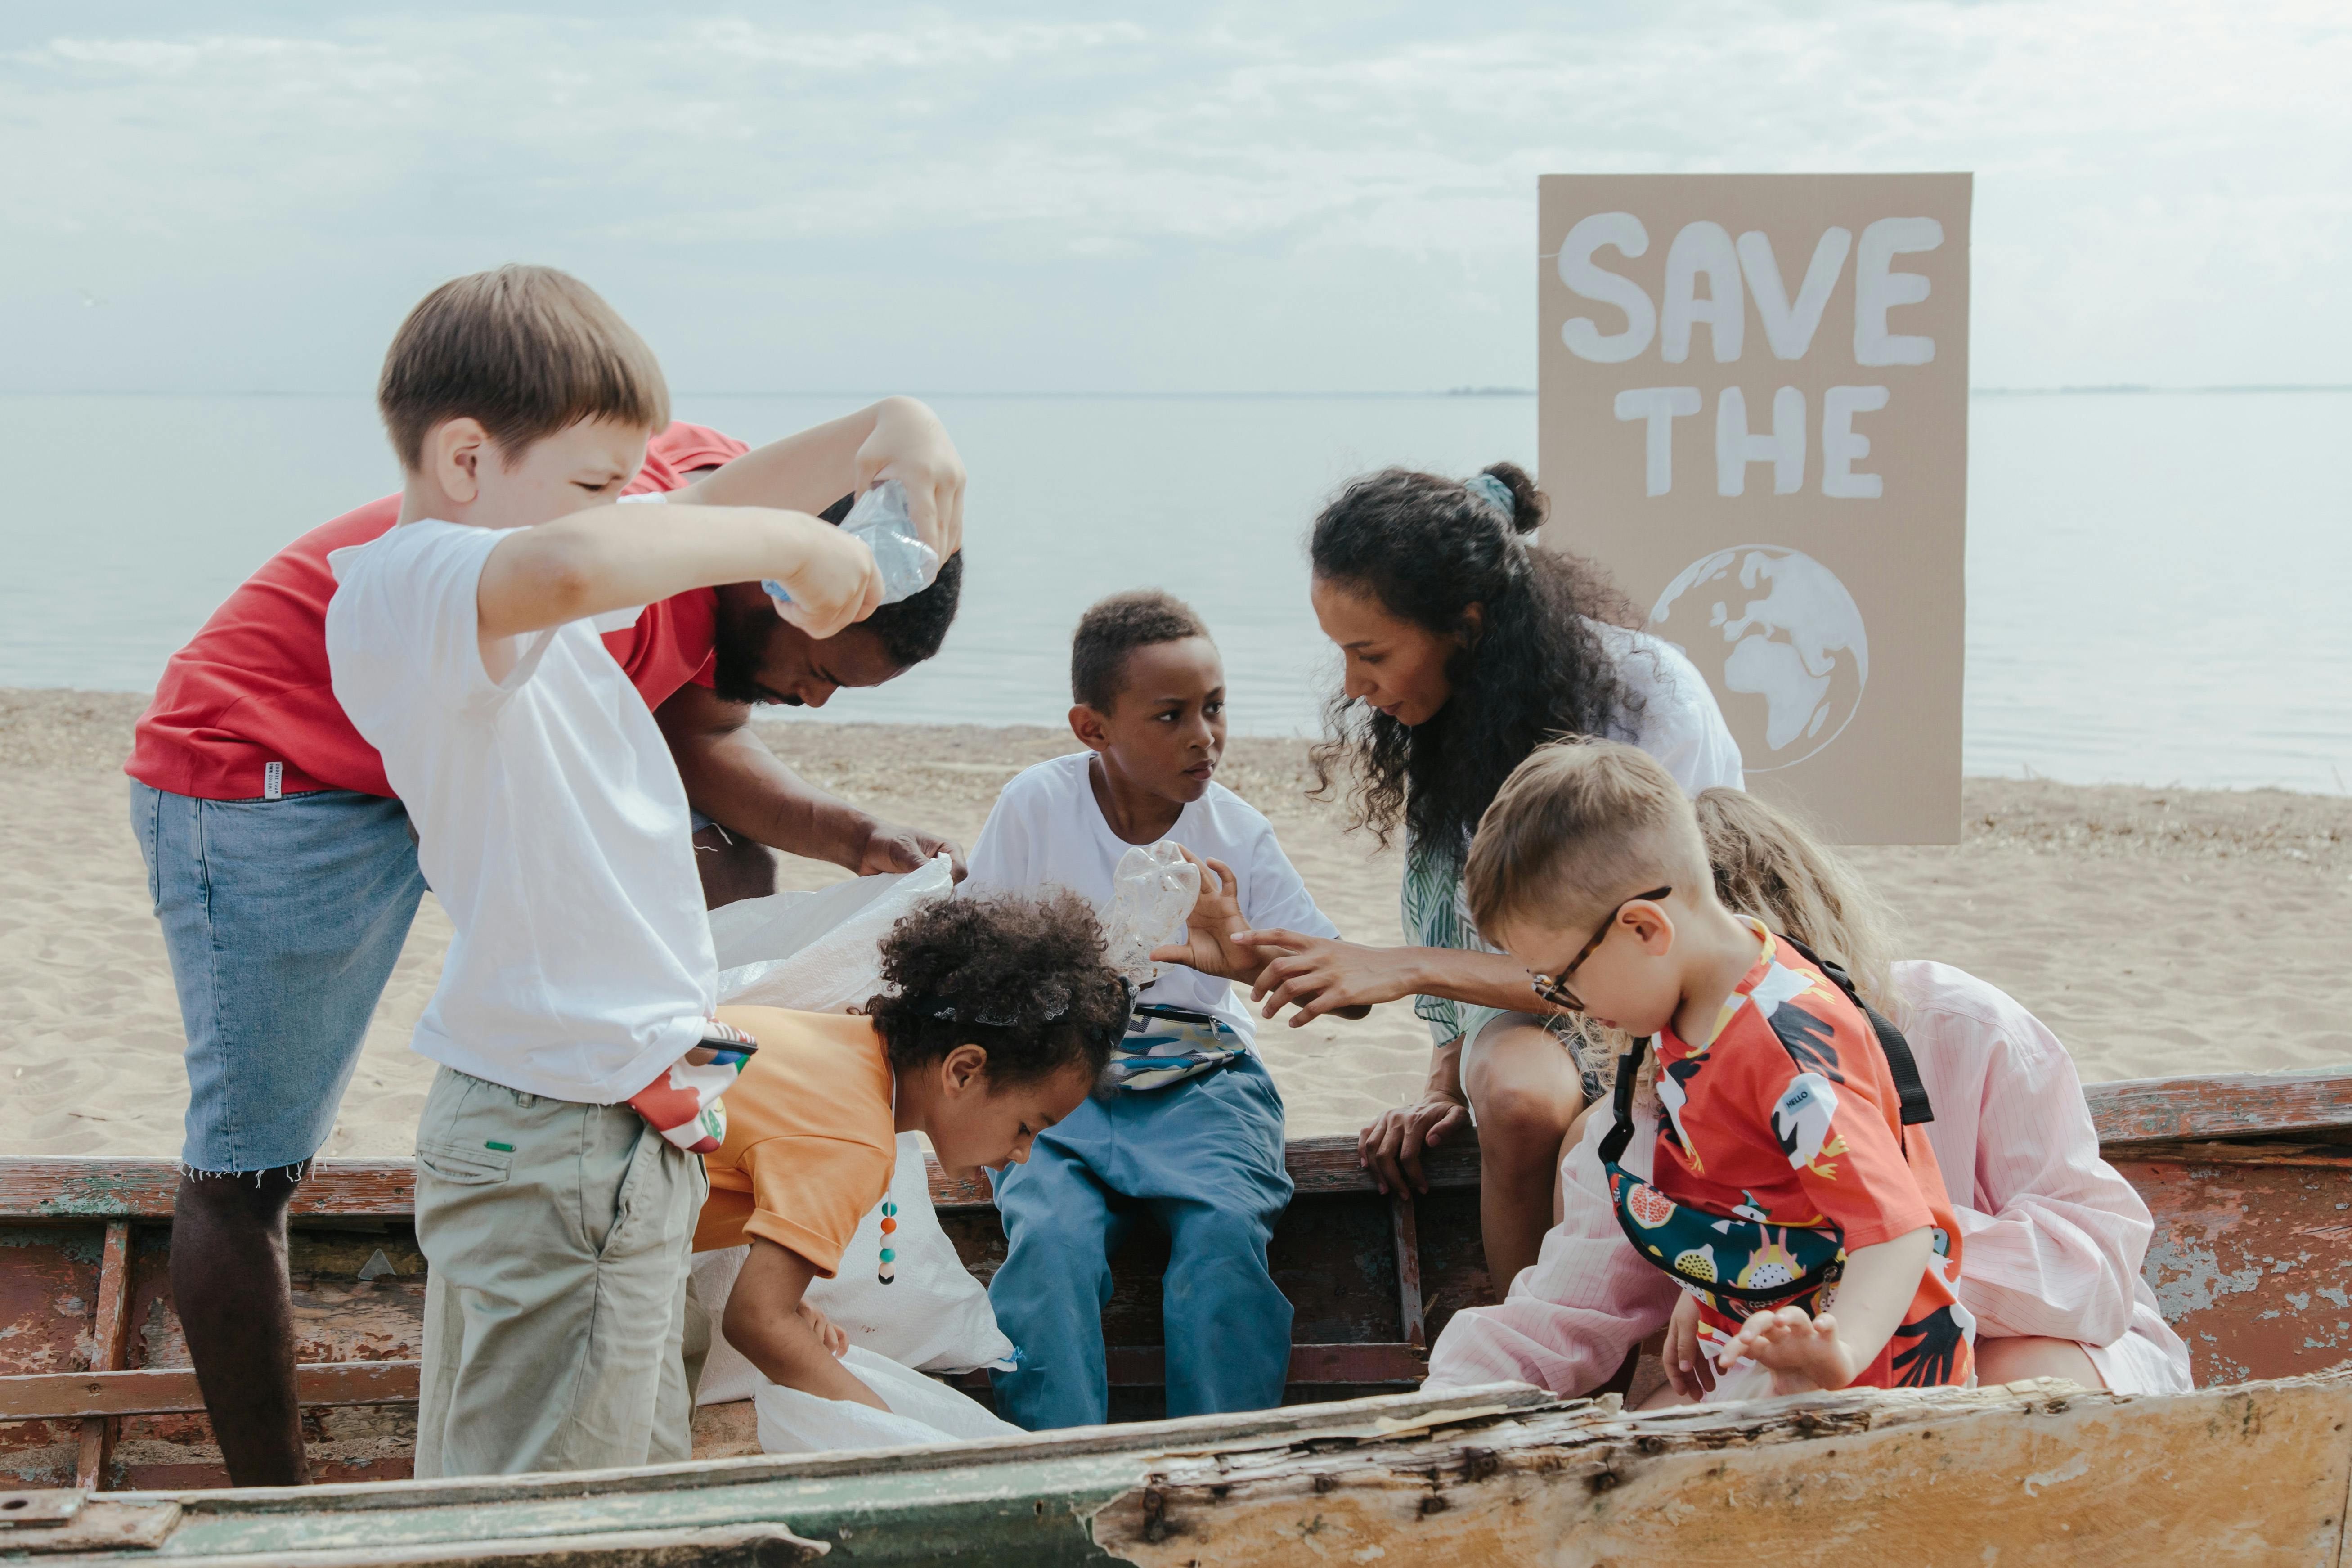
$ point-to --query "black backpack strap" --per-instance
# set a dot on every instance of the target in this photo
(1900, 1064)
(1629, 1066)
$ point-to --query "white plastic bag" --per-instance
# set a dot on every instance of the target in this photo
(921, 1412)
(1153, 890)
(821, 952)
(932, 1315)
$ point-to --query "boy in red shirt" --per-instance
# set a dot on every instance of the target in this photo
(1784, 1183)
(284, 875)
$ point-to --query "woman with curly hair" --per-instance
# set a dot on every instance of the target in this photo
(999, 1017)
(1466, 648)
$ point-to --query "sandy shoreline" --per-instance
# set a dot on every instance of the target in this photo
(2157, 932)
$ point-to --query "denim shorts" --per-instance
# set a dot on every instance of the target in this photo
(283, 918)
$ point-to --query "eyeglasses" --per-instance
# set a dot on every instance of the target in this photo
(1553, 989)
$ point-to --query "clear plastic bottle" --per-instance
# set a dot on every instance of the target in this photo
(1153, 890)
(880, 518)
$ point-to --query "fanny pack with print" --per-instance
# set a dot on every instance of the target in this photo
(1734, 1263)
(1165, 1045)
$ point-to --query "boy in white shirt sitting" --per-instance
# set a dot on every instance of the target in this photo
(1200, 1152)
(464, 644)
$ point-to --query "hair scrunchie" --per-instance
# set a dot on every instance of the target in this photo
(1496, 494)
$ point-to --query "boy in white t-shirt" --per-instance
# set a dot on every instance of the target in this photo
(1202, 1155)
(556, 1188)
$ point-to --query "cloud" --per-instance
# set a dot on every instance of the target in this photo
(1289, 197)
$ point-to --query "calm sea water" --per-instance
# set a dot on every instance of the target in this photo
(2160, 585)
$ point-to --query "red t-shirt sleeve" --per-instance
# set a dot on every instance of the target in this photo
(673, 642)
(1825, 1095)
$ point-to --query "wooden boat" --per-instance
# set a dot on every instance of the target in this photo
(2250, 1179)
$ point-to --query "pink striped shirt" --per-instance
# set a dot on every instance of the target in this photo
(2053, 1236)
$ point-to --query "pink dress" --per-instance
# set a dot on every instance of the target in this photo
(2053, 1236)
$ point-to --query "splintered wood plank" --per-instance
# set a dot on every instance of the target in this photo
(1329, 1164)
(95, 1187)
(2237, 1105)
(151, 1391)
(1407, 1235)
(109, 1332)
(2032, 1474)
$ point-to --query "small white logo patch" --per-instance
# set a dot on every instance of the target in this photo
(273, 780)
(1801, 1118)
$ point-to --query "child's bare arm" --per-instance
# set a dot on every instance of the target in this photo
(1831, 1351)
(768, 1321)
(612, 556)
(898, 438)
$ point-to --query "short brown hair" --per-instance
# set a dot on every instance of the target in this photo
(1578, 826)
(1115, 628)
(526, 351)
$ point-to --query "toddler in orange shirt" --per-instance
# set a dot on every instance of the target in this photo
(999, 1017)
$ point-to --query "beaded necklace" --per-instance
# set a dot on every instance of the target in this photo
(886, 1270)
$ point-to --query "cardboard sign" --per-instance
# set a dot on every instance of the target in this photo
(1755, 415)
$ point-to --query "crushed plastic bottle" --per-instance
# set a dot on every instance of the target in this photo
(880, 518)
(1153, 890)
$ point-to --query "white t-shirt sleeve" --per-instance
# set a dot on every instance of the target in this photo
(404, 628)
(1275, 898)
(1003, 859)
(1680, 723)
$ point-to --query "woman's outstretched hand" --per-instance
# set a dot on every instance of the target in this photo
(1320, 975)
(1391, 1147)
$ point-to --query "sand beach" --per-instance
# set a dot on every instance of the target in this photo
(2157, 932)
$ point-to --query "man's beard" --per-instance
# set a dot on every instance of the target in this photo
(736, 642)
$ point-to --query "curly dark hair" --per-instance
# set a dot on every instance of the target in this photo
(1022, 977)
(1428, 548)
(911, 630)
(1115, 628)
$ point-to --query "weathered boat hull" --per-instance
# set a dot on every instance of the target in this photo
(2032, 1474)
(2251, 1261)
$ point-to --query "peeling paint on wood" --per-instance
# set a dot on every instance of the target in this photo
(2252, 1258)
(2042, 1474)
(2234, 1105)
(2038, 1473)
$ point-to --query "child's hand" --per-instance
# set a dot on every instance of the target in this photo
(909, 444)
(829, 1334)
(1208, 945)
(1687, 1371)
(1803, 1352)
(833, 580)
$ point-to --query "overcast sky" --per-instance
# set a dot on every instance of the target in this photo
(1303, 196)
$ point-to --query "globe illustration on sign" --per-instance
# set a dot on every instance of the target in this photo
(1776, 626)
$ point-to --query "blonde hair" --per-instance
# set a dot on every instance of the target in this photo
(1768, 865)
(526, 351)
(1580, 825)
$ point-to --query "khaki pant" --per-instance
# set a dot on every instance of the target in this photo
(555, 1312)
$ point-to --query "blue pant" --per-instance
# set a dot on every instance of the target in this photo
(283, 918)
(1204, 1159)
